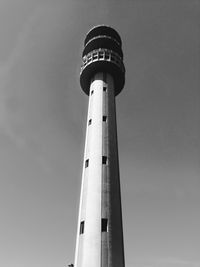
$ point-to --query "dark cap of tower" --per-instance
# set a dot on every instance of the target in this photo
(102, 53)
(102, 30)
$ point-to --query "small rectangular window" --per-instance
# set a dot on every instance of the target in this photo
(104, 225)
(101, 55)
(104, 160)
(117, 61)
(104, 118)
(113, 58)
(86, 163)
(106, 55)
(92, 92)
(104, 89)
(82, 227)
(90, 122)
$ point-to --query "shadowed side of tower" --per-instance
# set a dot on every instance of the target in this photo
(99, 240)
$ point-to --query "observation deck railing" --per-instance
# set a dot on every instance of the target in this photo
(102, 54)
(104, 37)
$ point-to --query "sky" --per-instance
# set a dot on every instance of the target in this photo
(43, 120)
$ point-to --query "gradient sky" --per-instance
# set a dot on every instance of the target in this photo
(42, 129)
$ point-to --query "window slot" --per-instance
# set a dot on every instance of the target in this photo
(101, 55)
(90, 122)
(106, 55)
(104, 160)
(95, 56)
(82, 227)
(113, 58)
(104, 89)
(92, 92)
(104, 225)
(86, 163)
(104, 118)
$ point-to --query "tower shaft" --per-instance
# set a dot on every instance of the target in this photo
(99, 235)
(99, 240)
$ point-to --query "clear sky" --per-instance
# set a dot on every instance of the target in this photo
(42, 129)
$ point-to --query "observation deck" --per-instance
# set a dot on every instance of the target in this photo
(102, 53)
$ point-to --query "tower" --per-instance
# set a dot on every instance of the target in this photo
(99, 240)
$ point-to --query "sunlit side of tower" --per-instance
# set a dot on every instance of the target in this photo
(99, 240)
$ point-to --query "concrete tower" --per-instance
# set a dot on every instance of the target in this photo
(99, 240)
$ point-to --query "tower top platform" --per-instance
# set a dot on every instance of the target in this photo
(102, 52)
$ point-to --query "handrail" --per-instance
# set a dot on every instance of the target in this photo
(102, 36)
(102, 54)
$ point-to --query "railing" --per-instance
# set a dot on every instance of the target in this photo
(102, 54)
(102, 36)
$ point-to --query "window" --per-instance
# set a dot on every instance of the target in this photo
(104, 118)
(112, 57)
(84, 60)
(95, 56)
(86, 163)
(89, 58)
(92, 92)
(106, 55)
(104, 225)
(104, 160)
(117, 60)
(82, 227)
(104, 89)
(90, 122)
(101, 55)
